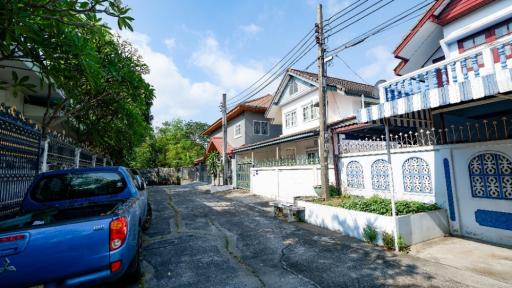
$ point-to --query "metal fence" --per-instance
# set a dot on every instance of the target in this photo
(23, 154)
(471, 131)
(19, 158)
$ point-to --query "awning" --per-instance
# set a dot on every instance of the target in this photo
(468, 90)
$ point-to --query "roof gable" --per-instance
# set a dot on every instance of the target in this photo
(258, 105)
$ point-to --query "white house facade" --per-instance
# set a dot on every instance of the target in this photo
(287, 166)
(450, 121)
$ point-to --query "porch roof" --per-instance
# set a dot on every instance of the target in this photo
(279, 140)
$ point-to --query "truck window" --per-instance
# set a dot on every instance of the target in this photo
(77, 185)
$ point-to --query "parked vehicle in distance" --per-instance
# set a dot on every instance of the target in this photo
(77, 227)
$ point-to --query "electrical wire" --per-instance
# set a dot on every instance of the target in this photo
(304, 40)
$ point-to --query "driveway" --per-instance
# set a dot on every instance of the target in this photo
(199, 239)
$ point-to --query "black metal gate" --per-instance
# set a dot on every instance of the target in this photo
(19, 158)
(243, 175)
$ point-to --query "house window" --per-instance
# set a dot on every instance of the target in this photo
(293, 87)
(491, 176)
(312, 157)
(238, 130)
(260, 128)
(503, 29)
(473, 41)
(380, 175)
(355, 177)
(291, 119)
(310, 111)
(417, 177)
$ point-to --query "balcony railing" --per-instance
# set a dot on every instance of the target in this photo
(485, 60)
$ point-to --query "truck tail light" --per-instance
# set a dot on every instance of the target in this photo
(12, 238)
(118, 232)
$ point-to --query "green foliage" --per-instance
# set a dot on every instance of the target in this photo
(334, 191)
(176, 144)
(214, 164)
(389, 242)
(370, 234)
(379, 205)
(107, 103)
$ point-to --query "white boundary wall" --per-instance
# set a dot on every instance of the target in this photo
(465, 205)
(287, 182)
(414, 228)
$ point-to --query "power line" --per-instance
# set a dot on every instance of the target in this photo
(275, 75)
(346, 20)
(329, 21)
(386, 25)
(304, 40)
(378, 29)
(269, 78)
(352, 70)
(358, 19)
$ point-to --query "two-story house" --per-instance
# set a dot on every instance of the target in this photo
(295, 107)
(449, 117)
(246, 125)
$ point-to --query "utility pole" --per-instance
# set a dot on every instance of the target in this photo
(322, 138)
(224, 140)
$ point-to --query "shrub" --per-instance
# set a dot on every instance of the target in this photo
(334, 191)
(370, 234)
(389, 242)
(378, 205)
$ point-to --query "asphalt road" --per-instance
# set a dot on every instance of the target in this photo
(198, 239)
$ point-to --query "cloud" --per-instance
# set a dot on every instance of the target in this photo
(251, 28)
(170, 43)
(176, 96)
(333, 6)
(330, 6)
(221, 66)
(179, 96)
(382, 64)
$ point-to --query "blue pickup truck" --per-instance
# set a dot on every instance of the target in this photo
(77, 227)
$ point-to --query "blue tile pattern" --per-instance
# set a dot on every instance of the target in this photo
(494, 219)
(449, 190)
(355, 177)
(417, 178)
(380, 175)
(491, 176)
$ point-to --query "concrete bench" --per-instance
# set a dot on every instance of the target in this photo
(292, 211)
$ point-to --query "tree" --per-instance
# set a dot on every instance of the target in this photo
(102, 76)
(176, 144)
(214, 165)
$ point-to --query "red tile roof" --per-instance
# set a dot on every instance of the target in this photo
(258, 105)
(216, 144)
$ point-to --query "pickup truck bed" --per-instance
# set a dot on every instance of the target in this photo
(80, 227)
(51, 216)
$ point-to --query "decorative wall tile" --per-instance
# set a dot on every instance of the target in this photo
(417, 178)
(380, 175)
(355, 177)
(490, 176)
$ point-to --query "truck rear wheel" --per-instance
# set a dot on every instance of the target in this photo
(134, 271)
(149, 216)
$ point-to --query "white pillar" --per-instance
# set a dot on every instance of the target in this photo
(44, 166)
(391, 185)
(77, 157)
(104, 162)
(93, 161)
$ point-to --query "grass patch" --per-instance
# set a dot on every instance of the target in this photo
(377, 205)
